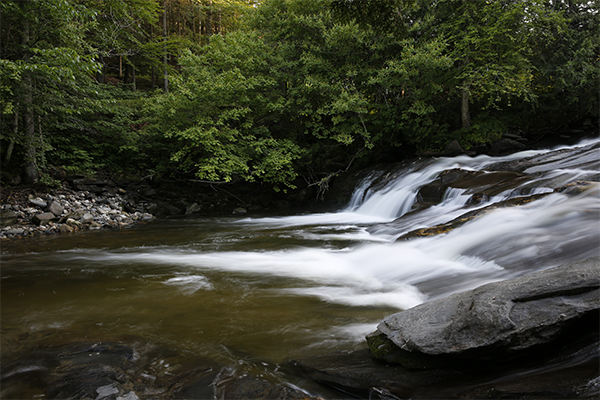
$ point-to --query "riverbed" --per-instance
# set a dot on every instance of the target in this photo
(255, 291)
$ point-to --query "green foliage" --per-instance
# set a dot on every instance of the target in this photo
(271, 90)
(216, 111)
(567, 61)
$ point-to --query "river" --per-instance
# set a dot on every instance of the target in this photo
(258, 290)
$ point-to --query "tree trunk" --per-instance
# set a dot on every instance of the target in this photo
(133, 83)
(166, 81)
(30, 172)
(11, 145)
(209, 25)
(465, 114)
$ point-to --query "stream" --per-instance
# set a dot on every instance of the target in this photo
(259, 290)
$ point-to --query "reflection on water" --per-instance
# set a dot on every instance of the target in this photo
(263, 290)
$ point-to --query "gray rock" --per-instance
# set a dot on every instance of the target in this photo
(129, 396)
(86, 218)
(453, 148)
(64, 228)
(55, 208)
(73, 223)
(193, 208)
(17, 231)
(7, 217)
(106, 391)
(147, 217)
(38, 202)
(42, 218)
(240, 210)
(498, 318)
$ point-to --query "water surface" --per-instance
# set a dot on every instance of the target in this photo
(260, 290)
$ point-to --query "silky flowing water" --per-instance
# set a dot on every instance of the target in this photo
(257, 291)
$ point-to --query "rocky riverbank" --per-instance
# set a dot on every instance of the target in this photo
(115, 203)
(24, 212)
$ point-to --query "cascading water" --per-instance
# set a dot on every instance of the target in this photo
(229, 288)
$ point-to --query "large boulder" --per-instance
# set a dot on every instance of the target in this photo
(498, 320)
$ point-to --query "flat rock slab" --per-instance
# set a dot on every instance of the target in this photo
(569, 372)
(498, 319)
(43, 218)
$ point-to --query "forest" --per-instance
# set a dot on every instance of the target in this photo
(282, 91)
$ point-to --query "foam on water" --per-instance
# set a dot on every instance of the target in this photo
(377, 270)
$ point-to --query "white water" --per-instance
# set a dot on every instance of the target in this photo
(354, 267)
(253, 292)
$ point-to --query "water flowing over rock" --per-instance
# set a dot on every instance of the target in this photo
(213, 305)
(509, 339)
(497, 319)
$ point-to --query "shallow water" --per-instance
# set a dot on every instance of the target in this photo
(260, 290)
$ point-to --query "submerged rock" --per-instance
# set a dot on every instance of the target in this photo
(496, 321)
(533, 337)
(469, 216)
(475, 182)
(129, 371)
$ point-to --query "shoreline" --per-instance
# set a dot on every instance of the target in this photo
(25, 213)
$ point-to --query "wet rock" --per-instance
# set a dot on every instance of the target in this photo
(239, 210)
(362, 376)
(496, 320)
(474, 182)
(64, 228)
(86, 218)
(55, 208)
(169, 209)
(469, 216)
(43, 218)
(506, 145)
(569, 371)
(129, 371)
(38, 202)
(128, 396)
(18, 231)
(576, 188)
(585, 157)
(147, 217)
(106, 391)
(193, 208)
(7, 217)
(453, 148)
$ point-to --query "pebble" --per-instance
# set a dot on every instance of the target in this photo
(81, 210)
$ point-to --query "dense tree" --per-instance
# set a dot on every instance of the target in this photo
(275, 89)
(45, 73)
(215, 115)
(567, 68)
(491, 45)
